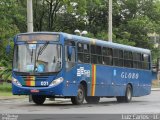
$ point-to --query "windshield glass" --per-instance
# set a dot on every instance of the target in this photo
(37, 58)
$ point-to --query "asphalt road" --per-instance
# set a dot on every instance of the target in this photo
(140, 105)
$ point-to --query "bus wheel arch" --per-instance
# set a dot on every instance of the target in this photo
(85, 86)
(77, 100)
(128, 94)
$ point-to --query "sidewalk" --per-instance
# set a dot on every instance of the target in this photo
(12, 97)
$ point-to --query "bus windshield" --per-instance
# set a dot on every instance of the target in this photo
(37, 58)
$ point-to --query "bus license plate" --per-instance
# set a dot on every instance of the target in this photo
(34, 91)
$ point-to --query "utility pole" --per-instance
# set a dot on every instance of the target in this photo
(29, 16)
(110, 22)
(29, 24)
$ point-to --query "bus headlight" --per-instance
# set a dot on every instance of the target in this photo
(56, 82)
(15, 81)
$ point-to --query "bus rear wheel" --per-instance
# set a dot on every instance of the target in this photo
(92, 100)
(77, 100)
(128, 95)
(38, 99)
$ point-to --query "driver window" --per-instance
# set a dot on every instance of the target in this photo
(70, 55)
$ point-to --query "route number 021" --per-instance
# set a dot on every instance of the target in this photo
(44, 83)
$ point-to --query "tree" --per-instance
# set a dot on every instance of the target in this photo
(7, 29)
(132, 19)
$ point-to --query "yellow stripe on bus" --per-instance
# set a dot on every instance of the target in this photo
(32, 81)
(93, 85)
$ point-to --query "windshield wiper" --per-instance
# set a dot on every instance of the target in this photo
(31, 55)
(41, 49)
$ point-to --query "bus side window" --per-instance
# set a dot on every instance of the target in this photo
(128, 59)
(115, 57)
(145, 61)
(121, 58)
(110, 56)
(80, 52)
(86, 53)
(99, 54)
(137, 61)
(107, 56)
(93, 54)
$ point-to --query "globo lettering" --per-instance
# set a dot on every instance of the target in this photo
(127, 75)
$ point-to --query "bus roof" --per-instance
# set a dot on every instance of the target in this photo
(96, 42)
(106, 43)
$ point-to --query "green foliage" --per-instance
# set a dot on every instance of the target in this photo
(132, 20)
(9, 11)
(6, 72)
(155, 54)
(137, 30)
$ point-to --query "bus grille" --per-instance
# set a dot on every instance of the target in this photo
(36, 78)
(32, 81)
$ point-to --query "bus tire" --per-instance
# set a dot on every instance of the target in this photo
(128, 94)
(92, 100)
(38, 99)
(77, 100)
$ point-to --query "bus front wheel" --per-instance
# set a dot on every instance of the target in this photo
(38, 99)
(77, 100)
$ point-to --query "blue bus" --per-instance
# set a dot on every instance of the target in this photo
(61, 65)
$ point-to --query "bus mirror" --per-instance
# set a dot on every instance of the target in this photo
(69, 50)
(8, 49)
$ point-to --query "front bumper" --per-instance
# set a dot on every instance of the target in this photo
(48, 91)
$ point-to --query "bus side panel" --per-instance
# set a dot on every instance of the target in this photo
(103, 81)
(84, 73)
(108, 81)
(145, 83)
(70, 82)
(73, 78)
(131, 76)
(141, 81)
(119, 83)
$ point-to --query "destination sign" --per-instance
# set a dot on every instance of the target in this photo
(38, 37)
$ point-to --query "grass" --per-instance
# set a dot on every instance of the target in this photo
(5, 94)
(9, 95)
(6, 91)
(5, 87)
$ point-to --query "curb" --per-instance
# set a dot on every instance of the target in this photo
(155, 89)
